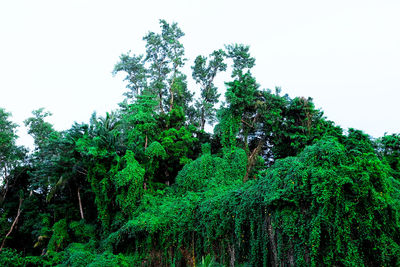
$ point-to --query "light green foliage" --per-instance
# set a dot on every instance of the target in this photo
(129, 184)
(210, 171)
(155, 150)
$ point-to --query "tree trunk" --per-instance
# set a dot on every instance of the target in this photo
(251, 159)
(161, 107)
(3, 197)
(272, 242)
(171, 103)
(13, 224)
(203, 119)
(80, 204)
(145, 144)
(231, 250)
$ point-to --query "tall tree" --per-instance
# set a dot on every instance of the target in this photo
(243, 112)
(11, 155)
(159, 71)
(204, 74)
(136, 72)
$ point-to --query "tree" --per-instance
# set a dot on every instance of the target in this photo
(140, 123)
(158, 73)
(136, 72)
(241, 116)
(11, 155)
(389, 150)
(39, 128)
(204, 74)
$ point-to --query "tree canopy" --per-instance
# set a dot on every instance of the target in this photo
(274, 183)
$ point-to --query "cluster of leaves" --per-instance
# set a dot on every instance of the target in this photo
(276, 183)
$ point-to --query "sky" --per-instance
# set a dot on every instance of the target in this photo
(344, 54)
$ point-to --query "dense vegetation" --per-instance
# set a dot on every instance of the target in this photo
(276, 183)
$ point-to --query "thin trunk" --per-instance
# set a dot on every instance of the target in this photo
(272, 242)
(171, 103)
(161, 107)
(231, 250)
(13, 224)
(80, 203)
(3, 197)
(193, 255)
(145, 144)
(203, 120)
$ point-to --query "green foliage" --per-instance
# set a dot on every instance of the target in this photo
(210, 171)
(9, 152)
(139, 122)
(179, 145)
(158, 72)
(129, 183)
(60, 237)
(11, 257)
(136, 72)
(389, 150)
(204, 75)
(275, 184)
(38, 127)
(155, 150)
(241, 58)
(325, 206)
(350, 197)
(78, 254)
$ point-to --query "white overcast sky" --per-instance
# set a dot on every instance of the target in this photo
(345, 54)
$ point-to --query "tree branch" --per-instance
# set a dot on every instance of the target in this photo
(13, 224)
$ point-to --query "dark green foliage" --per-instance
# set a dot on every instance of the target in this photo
(276, 183)
(10, 153)
(389, 150)
(60, 236)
